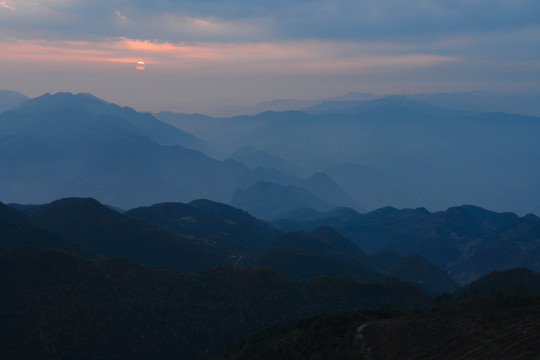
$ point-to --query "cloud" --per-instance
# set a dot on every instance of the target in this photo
(295, 45)
(306, 56)
(8, 4)
(120, 16)
(240, 20)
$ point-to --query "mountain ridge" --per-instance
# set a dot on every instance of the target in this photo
(466, 241)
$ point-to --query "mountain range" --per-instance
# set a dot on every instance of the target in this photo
(466, 241)
(525, 104)
(71, 255)
(128, 234)
(365, 152)
(191, 237)
(76, 145)
(403, 151)
(65, 145)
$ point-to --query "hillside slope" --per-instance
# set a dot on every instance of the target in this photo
(56, 305)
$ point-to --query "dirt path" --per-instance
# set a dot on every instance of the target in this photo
(364, 349)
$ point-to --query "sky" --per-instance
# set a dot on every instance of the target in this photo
(204, 54)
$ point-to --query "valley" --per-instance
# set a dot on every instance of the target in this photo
(123, 235)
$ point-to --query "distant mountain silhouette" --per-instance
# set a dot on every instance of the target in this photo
(383, 108)
(272, 105)
(484, 101)
(302, 213)
(352, 96)
(321, 185)
(403, 151)
(268, 200)
(67, 145)
(253, 158)
(192, 123)
(11, 99)
(77, 145)
(84, 108)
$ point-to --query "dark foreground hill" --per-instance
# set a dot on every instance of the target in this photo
(57, 305)
(302, 255)
(54, 305)
(19, 231)
(416, 269)
(191, 237)
(488, 329)
(518, 280)
(475, 323)
(106, 232)
(220, 224)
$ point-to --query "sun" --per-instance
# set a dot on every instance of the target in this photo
(140, 65)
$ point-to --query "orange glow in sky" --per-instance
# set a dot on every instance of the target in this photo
(307, 56)
(227, 51)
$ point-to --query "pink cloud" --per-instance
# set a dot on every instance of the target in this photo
(8, 5)
(280, 57)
